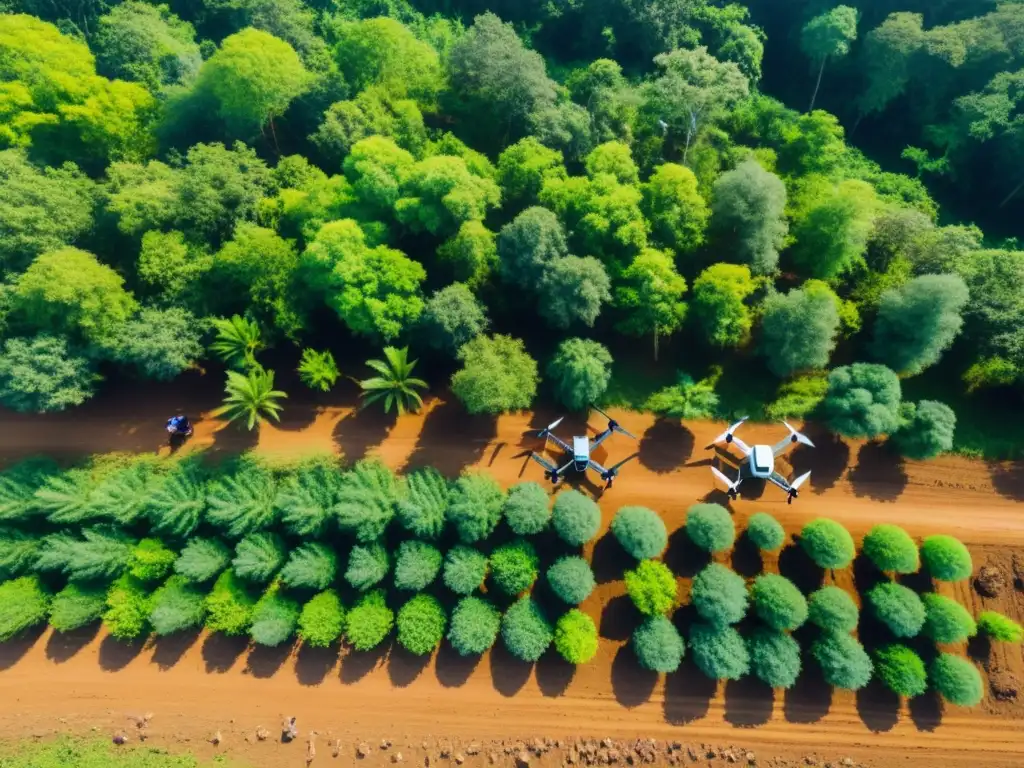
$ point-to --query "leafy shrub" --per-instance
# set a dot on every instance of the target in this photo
(891, 549)
(827, 543)
(422, 510)
(176, 606)
(576, 637)
(765, 531)
(946, 558)
(258, 557)
(710, 527)
(927, 429)
(956, 679)
(123, 493)
(368, 564)
(18, 485)
(274, 618)
(243, 502)
(778, 602)
(322, 619)
(999, 627)
(367, 497)
(318, 370)
(719, 652)
(527, 509)
(23, 604)
(774, 657)
(474, 627)
(579, 371)
(474, 508)
(151, 560)
(77, 605)
(901, 670)
(311, 566)
(686, 399)
(719, 595)
(945, 620)
(575, 518)
(421, 624)
(202, 559)
(416, 565)
(843, 660)
(305, 500)
(65, 498)
(229, 606)
(571, 579)
(640, 532)
(898, 607)
(833, 610)
(103, 553)
(177, 500)
(369, 621)
(525, 630)
(514, 567)
(127, 614)
(42, 375)
(465, 569)
(652, 587)
(658, 645)
(18, 552)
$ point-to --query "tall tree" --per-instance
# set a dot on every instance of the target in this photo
(528, 244)
(798, 328)
(650, 296)
(831, 225)
(748, 215)
(828, 35)
(497, 375)
(675, 207)
(148, 44)
(719, 293)
(452, 316)
(394, 385)
(573, 290)
(580, 371)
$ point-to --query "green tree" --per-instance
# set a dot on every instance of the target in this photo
(891, 549)
(675, 208)
(274, 618)
(956, 679)
(474, 626)
(998, 627)
(148, 44)
(367, 565)
(843, 660)
(927, 429)
(250, 398)
(470, 254)
(832, 610)
(765, 532)
(514, 567)
(718, 295)
(452, 317)
(576, 637)
(373, 112)
(831, 226)
(465, 569)
(474, 508)
(799, 328)
(369, 621)
(395, 385)
(151, 560)
(258, 557)
(580, 371)
(710, 527)
(901, 670)
(18, 552)
(658, 645)
(576, 518)
(366, 500)
(439, 194)
(237, 342)
(572, 291)
(202, 559)
(525, 630)
(778, 602)
(177, 500)
(946, 621)
(229, 606)
(523, 167)
(310, 566)
(828, 35)
(652, 588)
(76, 606)
(421, 624)
(571, 579)
(128, 604)
(640, 531)
(946, 558)
(649, 296)
(42, 374)
(863, 400)
(719, 595)
(417, 564)
(318, 369)
(101, 554)
(176, 606)
(719, 651)
(23, 604)
(898, 607)
(158, 343)
(527, 509)
(774, 657)
(748, 215)
(686, 399)
(497, 375)
(528, 245)
(322, 620)
(827, 543)
(384, 52)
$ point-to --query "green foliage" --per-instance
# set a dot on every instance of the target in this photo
(368, 564)
(322, 620)
(658, 645)
(237, 342)
(718, 305)
(827, 543)
(927, 429)
(23, 604)
(898, 607)
(310, 566)
(946, 558)
(102, 554)
(384, 52)
(474, 626)
(798, 398)
(497, 375)
(128, 605)
(843, 660)
(18, 552)
(395, 385)
(675, 208)
(956, 679)
(580, 371)
(465, 569)
(719, 595)
(774, 657)
(474, 507)
(274, 619)
(177, 500)
(525, 630)
(452, 317)
(778, 602)
(999, 627)
(123, 493)
(834, 611)
(891, 549)
(176, 606)
(523, 167)
(573, 291)
(514, 567)
(575, 517)
(18, 485)
(251, 398)
(471, 255)
(157, 343)
(640, 531)
(576, 637)
(229, 606)
(710, 527)
(202, 559)
(305, 499)
(243, 502)
(765, 532)
(66, 497)
(945, 620)
(318, 370)
(76, 606)
(901, 670)
(258, 557)
(719, 652)
(151, 560)
(571, 579)
(42, 374)
(832, 224)
(747, 215)
(417, 564)
(652, 588)
(147, 44)
(527, 508)
(687, 399)
(366, 500)
(863, 400)
(649, 296)
(421, 511)
(799, 328)
(421, 624)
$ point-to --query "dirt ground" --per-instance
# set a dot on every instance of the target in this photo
(481, 710)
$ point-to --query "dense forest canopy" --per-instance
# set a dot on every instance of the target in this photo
(465, 178)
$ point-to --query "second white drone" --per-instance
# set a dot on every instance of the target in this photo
(760, 461)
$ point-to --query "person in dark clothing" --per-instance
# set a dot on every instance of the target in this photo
(179, 425)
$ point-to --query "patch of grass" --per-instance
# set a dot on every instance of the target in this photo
(67, 752)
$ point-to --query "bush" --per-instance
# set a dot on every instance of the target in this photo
(243, 502)
(719, 595)
(474, 627)
(305, 500)
(765, 531)
(258, 557)
(23, 604)
(863, 400)
(898, 607)
(514, 567)
(42, 375)
(640, 532)
(474, 508)
(322, 619)
(202, 559)
(127, 614)
(527, 509)
(576, 637)
(946, 621)
(946, 558)
(176, 606)
(778, 602)
(103, 553)
(658, 645)
(956, 680)
(311, 566)
(18, 552)
(122, 496)
(774, 657)
(844, 662)
(367, 497)
(421, 624)
(579, 372)
(76, 605)
(927, 429)
(833, 610)
(465, 569)
(901, 670)
(274, 619)
(719, 652)
(229, 606)
(652, 588)
(827, 543)
(571, 579)
(575, 518)
(422, 511)
(891, 549)
(368, 564)
(710, 527)
(999, 627)
(369, 621)
(177, 501)
(416, 565)
(525, 630)
(64, 498)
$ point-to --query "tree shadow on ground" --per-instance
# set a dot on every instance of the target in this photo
(233, 440)
(13, 650)
(168, 649)
(878, 706)
(797, 566)
(747, 560)
(362, 430)
(688, 694)
(405, 667)
(665, 445)
(264, 661)
(810, 699)
(926, 711)
(355, 665)
(684, 557)
(979, 648)
(827, 460)
(618, 618)
(451, 439)
(221, 652)
(118, 654)
(866, 574)
(508, 673)
(610, 561)
(631, 683)
(879, 473)
(62, 646)
(554, 674)
(452, 669)
(748, 702)
(1008, 478)
(313, 665)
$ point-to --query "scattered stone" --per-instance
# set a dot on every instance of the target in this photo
(363, 750)
(712, 753)
(424, 745)
(385, 744)
(473, 749)
(492, 758)
(396, 757)
(607, 743)
(1018, 571)
(847, 761)
(289, 730)
(216, 739)
(614, 755)
(459, 758)
(262, 734)
(120, 738)
(991, 581)
(311, 747)
(523, 758)
(336, 748)
(446, 752)
(1005, 686)
(751, 758)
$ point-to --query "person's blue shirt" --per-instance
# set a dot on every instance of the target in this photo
(178, 423)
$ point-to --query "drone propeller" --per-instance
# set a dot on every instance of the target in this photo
(547, 430)
(613, 425)
(550, 470)
(730, 484)
(612, 472)
(795, 485)
(727, 435)
(797, 437)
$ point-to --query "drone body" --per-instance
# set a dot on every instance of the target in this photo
(577, 455)
(760, 461)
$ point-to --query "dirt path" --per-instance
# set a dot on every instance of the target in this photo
(197, 686)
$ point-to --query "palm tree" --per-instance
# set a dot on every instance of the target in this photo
(238, 341)
(251, 397)
(395, 384)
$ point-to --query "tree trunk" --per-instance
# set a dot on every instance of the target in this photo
(655, 343)
(1013, 192)
(817, 85)
(274, 134)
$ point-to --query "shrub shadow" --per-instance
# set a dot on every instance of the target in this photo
(362, 430)
(118, 654)
(451, 439)
(554, 674)
(312, 665)
(979, 648)
(355, 665)
(810, 699)
(688, 694)
(665, 445)
(798, 567)
(405, 667)
(508, 673)
(926, 711)
(452, 669)
(748, 702)
(866, 574)
(168, 649)
(682, 556)
(220, 652)
(618, 618)
(828, 459)
(879, 473)
(1008, 478)
(631, 683)
(12, 651)
(747, 560)
(609, 560)
(878, 706)
(264, 661)
(62, 646)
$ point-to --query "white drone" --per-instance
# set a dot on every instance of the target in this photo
(761, 461)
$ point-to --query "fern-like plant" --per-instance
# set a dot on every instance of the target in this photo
(243, 502)
(318, 370)
(177, 500)
(18, 486)
(66, 498)
(18, 552)
(367, 498)
(258, 557)
(102, 554)
(250, 398)
(305, 500)
(202, 559)
(421, 511)
(367, 565)
(395, 385)
(238, 340)
(124, 494)
(311, 566)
